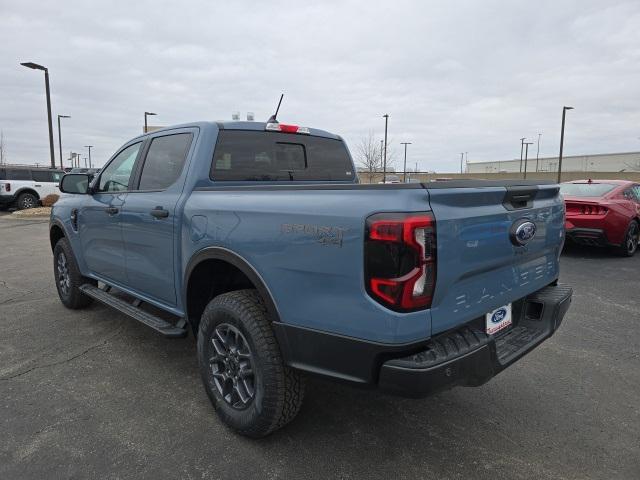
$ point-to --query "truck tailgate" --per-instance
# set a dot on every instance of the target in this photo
(480, 268)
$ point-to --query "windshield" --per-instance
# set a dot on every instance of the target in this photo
(269, 156)
(586, 189)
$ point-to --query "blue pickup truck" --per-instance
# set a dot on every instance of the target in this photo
(259, 239)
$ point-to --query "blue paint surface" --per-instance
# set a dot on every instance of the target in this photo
(307, 245)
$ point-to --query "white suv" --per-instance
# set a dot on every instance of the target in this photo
(25, 186)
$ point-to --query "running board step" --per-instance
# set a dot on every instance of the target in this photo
(157, 323)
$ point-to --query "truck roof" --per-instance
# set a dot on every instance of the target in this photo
(233, 125)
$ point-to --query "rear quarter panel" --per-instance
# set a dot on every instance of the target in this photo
(307, 245)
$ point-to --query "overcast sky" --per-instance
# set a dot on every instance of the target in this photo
(454, 76)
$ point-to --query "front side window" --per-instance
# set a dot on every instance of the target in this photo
(629, 194)
(164, 161)
(41, 175)
(115, 177)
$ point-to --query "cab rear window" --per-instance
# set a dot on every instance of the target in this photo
(243, 155)
(586, 189)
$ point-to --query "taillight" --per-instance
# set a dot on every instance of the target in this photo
(281, 127)
(7, 187)
(400, 260)
(594, 210)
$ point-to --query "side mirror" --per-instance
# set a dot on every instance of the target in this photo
(75, 183)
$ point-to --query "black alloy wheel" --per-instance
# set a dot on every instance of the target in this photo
(231, 363)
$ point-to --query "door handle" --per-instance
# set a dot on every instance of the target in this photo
(111, 210)
(159, 212)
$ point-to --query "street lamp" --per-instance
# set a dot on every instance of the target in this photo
(89, 147)
(564, 112)
(35, 66)
(526, 157)
(521, 148)
(538, 152)
(461, 161)
(384, 166)
(60, 139)
(146, 114)
(405, 160)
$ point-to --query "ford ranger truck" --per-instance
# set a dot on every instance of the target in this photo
(258, 238)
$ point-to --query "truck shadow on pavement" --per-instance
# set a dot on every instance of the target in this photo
(573, 250)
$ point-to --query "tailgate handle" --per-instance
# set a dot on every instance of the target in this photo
(519, 197)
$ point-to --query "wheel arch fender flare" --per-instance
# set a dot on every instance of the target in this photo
(30, 190)
(55, 223)
(236, 260)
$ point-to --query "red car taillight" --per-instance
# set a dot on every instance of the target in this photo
(585, 209)
(593, 210)
(400, 260)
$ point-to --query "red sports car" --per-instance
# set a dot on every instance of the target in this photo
(603, 213)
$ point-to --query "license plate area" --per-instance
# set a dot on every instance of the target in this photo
(498, 319)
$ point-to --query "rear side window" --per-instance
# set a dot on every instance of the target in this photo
(18, 174)
(586, 189)
(45, 176)
(272, 156)
(165, 160)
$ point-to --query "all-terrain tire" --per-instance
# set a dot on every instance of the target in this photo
(68, 278)
(27, 200)
(277, 389)
(629, 245)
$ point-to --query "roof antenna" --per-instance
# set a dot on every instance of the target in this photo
(272, 118)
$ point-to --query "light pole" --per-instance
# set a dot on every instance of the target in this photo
(538, 152)
(461, 160)
(564, 112)
(60, 139)
(35, 66)
(146, 114)
(526, 157)
(89, 147)
(405, 160)
(384, 166)
(521, 148)
(466, 159)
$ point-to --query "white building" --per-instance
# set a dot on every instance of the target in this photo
(603, 162)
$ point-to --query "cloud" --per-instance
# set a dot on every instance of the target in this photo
(453, 76)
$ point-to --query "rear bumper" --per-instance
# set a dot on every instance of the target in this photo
(469, 357)
(464, 356)
(588, 236)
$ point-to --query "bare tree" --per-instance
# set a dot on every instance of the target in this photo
(3, 149)
(369, 155)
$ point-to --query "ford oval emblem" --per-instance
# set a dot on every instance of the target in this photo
(522, 232)
(499, 315)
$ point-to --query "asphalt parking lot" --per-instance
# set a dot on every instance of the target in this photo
(93, 394)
